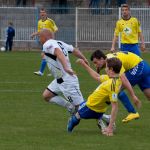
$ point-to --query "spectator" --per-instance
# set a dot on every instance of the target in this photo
(10, 36)
(18, 2)
(120, 2)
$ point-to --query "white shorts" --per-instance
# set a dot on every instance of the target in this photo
(69, 88)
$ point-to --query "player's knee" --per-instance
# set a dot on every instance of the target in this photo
(45, 97)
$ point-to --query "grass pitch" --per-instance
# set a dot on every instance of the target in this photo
(29, 123)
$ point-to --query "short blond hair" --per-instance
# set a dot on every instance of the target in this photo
(125, 5)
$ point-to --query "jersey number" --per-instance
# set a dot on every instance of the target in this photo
(62, 48)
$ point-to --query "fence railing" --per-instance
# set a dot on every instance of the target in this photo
(76, 25)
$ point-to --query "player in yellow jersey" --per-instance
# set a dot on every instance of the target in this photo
(104, 95)
(130, 30)
(136, 70)
(44, 23)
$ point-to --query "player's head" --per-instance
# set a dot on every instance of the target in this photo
(10, 24)
(43, 14)
(99, 59)
(45, 35)
(125, 11)
(113, 66)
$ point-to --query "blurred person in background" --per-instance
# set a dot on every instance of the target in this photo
(44, 23)
(10, 35)
(18, 2)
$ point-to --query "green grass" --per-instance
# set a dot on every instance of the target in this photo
(29, 123)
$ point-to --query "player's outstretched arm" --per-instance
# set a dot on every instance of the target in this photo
(78, 54)
(109, 130)
(126, 84)
(92, 73)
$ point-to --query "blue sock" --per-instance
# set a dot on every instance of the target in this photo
(126, 102)
(43, 65)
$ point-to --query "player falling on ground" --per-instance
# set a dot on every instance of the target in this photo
(136, 70)
(104, 95)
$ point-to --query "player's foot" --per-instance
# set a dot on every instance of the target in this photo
(101, 124)
(39, 73)
(130, 117)
(73, 121)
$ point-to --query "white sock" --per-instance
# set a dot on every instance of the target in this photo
(60, 101)
(106, 117)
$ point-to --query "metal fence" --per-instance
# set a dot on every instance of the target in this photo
(82, 27)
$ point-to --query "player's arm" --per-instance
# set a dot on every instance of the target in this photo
(109, 130)
(126, 84)
(78, 54)
(115, 38)
(142, 41)
(37, 32)
(34, 34)
(60, 56)
(92, 73)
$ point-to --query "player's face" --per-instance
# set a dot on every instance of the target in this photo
(125, 12)
(43, 14)
(99, 63)
(108, 71)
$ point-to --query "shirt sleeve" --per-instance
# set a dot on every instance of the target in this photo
(113, 96)
(117, 29)
(53, 26)
(139, 26)
(103, 78)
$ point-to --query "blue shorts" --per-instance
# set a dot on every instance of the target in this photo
(87, 113)
(133, 48)
(139, 75)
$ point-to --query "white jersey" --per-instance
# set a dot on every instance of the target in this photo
(53, 63)
(67, 84)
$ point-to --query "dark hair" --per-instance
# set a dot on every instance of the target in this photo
(125, 6)
(43, 9)
(115, 64)
(98, 55)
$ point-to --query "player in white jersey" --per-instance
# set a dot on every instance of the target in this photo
(65, 82)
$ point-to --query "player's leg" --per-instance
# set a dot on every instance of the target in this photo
(7, 44)
(10, 45)
(144, 83)
(42, 67)
(133, 48)
(83, 113)
(129, 107)
(71, 91)
(50, 95)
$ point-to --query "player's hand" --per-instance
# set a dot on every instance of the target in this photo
(69, 71)
(112, 50)
(136, 101)
(81, 62)
(86, 61)
(107, 131)
(143, 47)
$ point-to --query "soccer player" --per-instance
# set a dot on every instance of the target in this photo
(130, 30)
(136, 70)
(44, 23)
(65, 82)
(106, 93)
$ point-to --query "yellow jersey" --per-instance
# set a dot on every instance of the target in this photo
(128, 59)
(47, 24)
(105, 93)
(129, 30)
